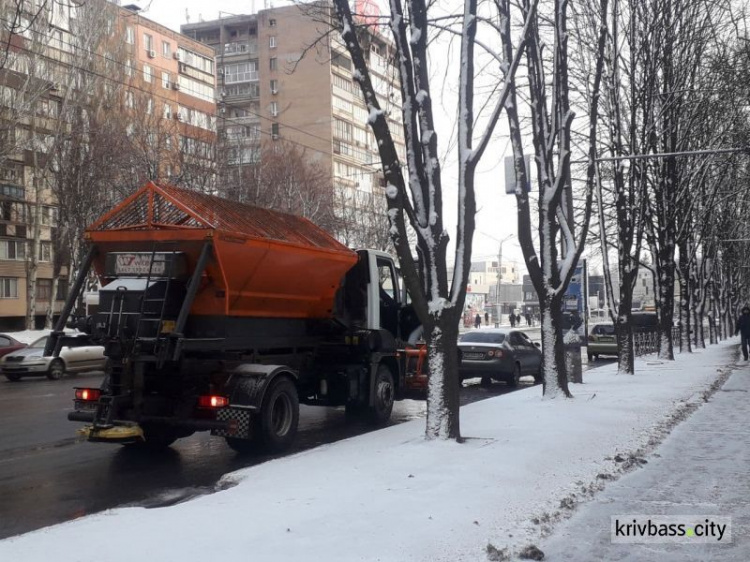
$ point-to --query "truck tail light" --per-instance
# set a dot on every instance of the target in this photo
(88, 394)
(213, 401)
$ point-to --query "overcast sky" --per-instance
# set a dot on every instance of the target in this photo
(496, 217)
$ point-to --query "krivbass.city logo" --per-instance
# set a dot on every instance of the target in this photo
(685, 529)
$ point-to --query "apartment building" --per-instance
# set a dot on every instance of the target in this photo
(66, 65)
(283, 75)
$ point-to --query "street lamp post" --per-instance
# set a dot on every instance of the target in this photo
(499, 277)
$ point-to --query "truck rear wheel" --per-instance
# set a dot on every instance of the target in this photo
(155, 438)
(279, 416)
(380, 411)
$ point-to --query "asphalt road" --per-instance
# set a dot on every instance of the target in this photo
(47, 475)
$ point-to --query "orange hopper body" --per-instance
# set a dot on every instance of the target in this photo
(265, 263)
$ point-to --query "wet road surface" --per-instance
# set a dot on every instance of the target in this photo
(48, 476)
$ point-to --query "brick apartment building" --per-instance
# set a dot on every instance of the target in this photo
(164, 84)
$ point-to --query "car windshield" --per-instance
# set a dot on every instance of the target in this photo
(40, 343)
(483, 337)
(604, 330)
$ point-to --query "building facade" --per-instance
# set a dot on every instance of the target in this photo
(69, 66)
(283, 76)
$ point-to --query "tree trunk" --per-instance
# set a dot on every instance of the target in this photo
(624, 334)
(443, 395)
(553, 348)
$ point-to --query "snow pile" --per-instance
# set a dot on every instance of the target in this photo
(389, 495)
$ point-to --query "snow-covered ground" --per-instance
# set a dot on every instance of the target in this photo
(391, 496)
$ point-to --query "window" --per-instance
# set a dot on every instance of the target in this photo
(166, 49)
(49, 216)
(241, 72)
(129, 68)
(62, 289)
(341, 60)
(129, 35)
(274, 131)
(8, 288)
(13, 191)
(272, 23)
(165, 80)
(45, 252)
(13, 250)
(149, 106)
(43, 290)
(274, 108)
(148, 43)
(274, 86)
(129, 100)
(342, 129)
(273, 62)
(147, 73)
(272, 42)
(167, 111)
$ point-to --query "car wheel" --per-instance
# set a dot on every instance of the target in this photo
(13, 377)
(515, 377)
(486, 381)
(539, 375)
(56, 370)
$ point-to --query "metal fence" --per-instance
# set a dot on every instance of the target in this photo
(648, 341)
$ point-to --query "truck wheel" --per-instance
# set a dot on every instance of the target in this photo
(56, 370)
(380, 411)
(278, 416)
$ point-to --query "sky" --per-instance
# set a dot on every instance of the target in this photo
(496, 212)
(392, 495)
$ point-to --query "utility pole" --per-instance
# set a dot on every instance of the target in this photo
(499, 277)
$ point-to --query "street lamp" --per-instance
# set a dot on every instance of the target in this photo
(500, 275)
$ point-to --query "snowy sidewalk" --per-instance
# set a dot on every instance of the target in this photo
(390, 496)
(702, 468)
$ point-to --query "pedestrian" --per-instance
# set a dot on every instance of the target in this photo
(487, 318)
(477, 321)
(512, 320)
(528, 319)
(518, 320)
(743, 328)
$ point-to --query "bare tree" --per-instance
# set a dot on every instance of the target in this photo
(417, 199)
(551, 268)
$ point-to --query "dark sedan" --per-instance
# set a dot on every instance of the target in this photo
(9, 345)
(504, 355)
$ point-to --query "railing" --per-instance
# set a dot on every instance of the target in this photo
(648, 341)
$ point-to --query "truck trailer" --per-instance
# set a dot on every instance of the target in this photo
(223, 317)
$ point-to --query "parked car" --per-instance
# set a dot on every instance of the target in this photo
(504, 355)
(602, 341)
(9, 344)
(79, 356)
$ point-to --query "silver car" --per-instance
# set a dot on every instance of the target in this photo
(76, 356)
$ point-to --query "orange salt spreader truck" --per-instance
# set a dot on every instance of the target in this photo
(220, 316)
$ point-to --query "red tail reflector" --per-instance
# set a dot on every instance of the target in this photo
(212, 401)
(88, 394)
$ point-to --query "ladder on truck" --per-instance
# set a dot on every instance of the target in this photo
(155, 318)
